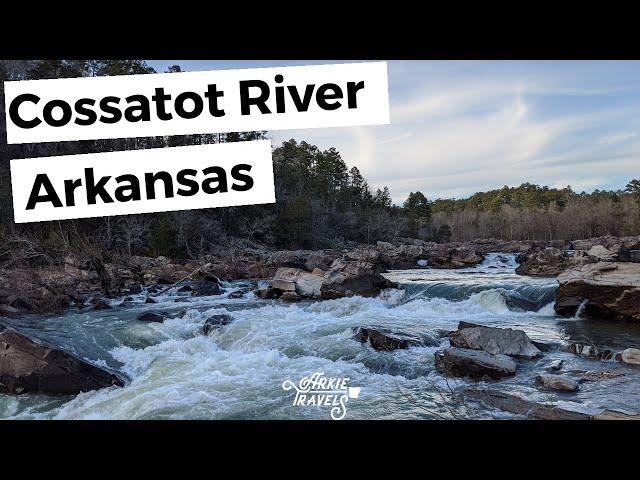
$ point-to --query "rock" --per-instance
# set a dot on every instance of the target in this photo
(514, 404)
(505, 341)
(215, 321)
(602, 253)
(185, 289)
(452, 257)
(126, 301)
(608, 291)
(557, 382)
(149, 300)
(555, 366)
(346, 279)
(568, 306)
(152, 317)
(634, 256)
(8, 311)
(592, 375)
(284, 285)
(305, 284)
(237, 294)
(290, 297)
(267, 293)
(590, 351)
(101, 305)
(165, 279)
(30, 367)
(460, 362)
(384, 340)
(134, 289)
(546, 346)
(205, 288)
(631, 356)
(549, 262)
(614, 415)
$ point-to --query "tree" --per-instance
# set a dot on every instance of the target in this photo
(443, 235)
(633, 187)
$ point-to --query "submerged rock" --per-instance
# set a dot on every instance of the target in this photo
(100, 304)
(505, 341)
(514, 404)
(30, 367)
(152, 317)
(555, 366)
(267, 293)
(290, 297)
(460, 362)
(205, 288)
(615, 415)
(557, 382)
(215, 321)
(384, 340)
(606, 290)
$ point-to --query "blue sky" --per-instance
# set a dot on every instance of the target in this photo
(458, 127)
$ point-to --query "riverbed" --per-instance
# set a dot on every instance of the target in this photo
(173, 371)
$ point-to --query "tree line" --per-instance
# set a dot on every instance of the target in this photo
(321, 202)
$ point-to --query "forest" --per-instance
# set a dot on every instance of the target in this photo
(321, 202)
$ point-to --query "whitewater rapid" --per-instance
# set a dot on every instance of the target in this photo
(237, 372)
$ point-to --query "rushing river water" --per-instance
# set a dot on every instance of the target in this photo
(237, 372)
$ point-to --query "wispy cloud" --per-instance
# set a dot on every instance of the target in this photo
(461, 127)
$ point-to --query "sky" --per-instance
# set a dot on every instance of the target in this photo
(459, 127)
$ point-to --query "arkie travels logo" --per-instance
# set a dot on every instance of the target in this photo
(318, 390)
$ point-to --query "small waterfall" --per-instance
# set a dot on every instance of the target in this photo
(580, 310)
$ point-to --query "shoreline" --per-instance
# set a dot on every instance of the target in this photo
(78, 279)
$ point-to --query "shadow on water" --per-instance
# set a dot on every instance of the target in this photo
(605, 333)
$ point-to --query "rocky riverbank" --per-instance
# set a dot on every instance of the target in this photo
(81, 279)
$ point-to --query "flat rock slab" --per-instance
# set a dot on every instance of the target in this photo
(30, 367)
(503, 341)
(605, 290)
(460, 362)
(519, 406)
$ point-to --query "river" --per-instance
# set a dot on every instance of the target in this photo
(175, 372)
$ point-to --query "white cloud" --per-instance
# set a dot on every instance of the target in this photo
(458, 128)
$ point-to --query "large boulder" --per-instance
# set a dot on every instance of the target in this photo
(603, 290)
(408, 254)
(456, 257)
(459, 362)
(549, 262)
(345, 278)
(305, 284)
(505, 341)
(30, 367)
